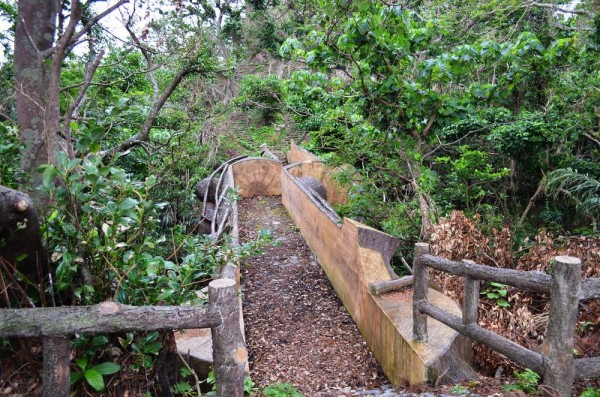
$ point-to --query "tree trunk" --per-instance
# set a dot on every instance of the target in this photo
(20, 240)
(35, 31)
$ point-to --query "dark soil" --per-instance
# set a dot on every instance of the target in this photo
(297, 329)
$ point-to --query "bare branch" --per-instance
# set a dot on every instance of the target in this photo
(555, 7)
(89, 75)
(149, 60)
(76, 36)
(157, 105)
(591, 138)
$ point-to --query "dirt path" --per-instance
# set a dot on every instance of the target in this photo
(297, 329)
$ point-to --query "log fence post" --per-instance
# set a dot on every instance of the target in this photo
(56, 373)
(562, 319)
(470, 298)
(420, 292)
(229, 349)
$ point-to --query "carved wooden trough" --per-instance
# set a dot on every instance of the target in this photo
(354, 257)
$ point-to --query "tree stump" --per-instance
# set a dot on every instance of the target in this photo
(20, 239)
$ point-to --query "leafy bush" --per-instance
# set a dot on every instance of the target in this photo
(281, 390)
(527, 382)
(9, 153)
(263, 95)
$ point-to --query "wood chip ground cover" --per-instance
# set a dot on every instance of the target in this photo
(297, 329)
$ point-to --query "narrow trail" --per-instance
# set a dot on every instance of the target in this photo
(297, 329)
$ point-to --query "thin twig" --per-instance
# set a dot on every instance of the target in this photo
(191, 371)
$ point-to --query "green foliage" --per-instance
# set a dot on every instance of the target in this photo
(9, 153)
(263, 95)
(470, 179)
(497, 292)
(528, 381)
(103, 231)
(582, 189)
(460, 390)
(589, 392)
(93, 374)
(281, 390)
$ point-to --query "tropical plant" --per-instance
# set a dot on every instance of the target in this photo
(582, 189)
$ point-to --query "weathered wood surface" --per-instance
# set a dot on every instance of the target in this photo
(56, 372)
(20, 237)
(229, 349)
(297, 154)
(562, 320)
(105, 317)
(385, 321)
(502, 345)
(587, 368)
(315, 185)
(383, 287)
(470, 300)
(257, 176)
(420, 293)
(337, 193)
(212, 176)
(529, 280)
(590, 288)
(264, 151)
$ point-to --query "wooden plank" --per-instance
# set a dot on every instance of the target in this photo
(562, 320)
(529, 280)
(105, 317)
(257, 176)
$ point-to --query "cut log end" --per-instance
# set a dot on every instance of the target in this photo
(222, 283)
(21, 206)
(108, 308)
(568, 260)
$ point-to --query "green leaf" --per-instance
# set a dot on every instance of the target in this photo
(107, 368)
(82, 362)
(75, 377)
(94, 378)
(49, 173)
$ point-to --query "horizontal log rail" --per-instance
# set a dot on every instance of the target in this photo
(56, 326)
(529, 280)
(590, 289)
(106, 317)
(500, 344)
(566, 289)
(383, 287)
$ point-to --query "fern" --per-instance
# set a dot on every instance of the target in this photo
(582, 189)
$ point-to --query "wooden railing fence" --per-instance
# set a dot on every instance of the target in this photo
(56, 326)
(566, 288)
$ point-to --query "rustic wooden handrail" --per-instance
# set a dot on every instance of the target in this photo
(56, 325)
(566, 289)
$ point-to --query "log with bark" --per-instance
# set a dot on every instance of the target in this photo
(21, 249)
(314, 184)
